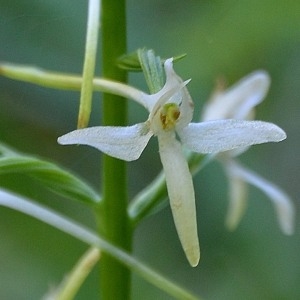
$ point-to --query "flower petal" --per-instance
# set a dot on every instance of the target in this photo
(172, 82)
(174, 91)
(182, 97)
(223, 135)
(126, 143)
(181, 193)
(283, 204)
(238, 101)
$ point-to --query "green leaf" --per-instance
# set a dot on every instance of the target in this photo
(50, 175)
(88, 236)
(148, 200)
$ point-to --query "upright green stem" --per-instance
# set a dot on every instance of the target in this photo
(89, 64)
(114, 224)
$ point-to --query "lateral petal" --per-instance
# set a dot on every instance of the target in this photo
(223, 135)
(181, 193)
(126, 143)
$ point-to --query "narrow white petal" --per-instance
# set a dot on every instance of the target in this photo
(238, 191)
(181, 193)
(126, 143)
(238, 101)
(283, 204)
(223, 135)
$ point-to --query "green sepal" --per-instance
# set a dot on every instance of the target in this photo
(130, 62)
(152, 69)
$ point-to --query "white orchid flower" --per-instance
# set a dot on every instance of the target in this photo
(238, 102)
(170, 114)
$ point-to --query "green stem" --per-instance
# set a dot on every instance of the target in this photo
(72, 283)
(69, 82)
(113, 219)
(89, 63)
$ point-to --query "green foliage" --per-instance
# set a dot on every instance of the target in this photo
(129, 62)
(152, 69)
(222, 38)
(132, 61)
(48, 174)
(80, 232)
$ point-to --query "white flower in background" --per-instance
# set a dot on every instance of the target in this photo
(238, 102)
(170, 114)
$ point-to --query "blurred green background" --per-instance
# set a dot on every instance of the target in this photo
(221, 38)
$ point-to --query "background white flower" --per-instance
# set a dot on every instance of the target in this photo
(238, 102)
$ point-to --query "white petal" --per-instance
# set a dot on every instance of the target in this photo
(182, 97)
(238, 101)
(223, 135)
(173, 81)
(238, 192)
(174, 91)
(126, 143)
(172, 95)
(283, 204)
(181, 193)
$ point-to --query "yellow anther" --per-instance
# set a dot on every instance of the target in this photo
(169, 114)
